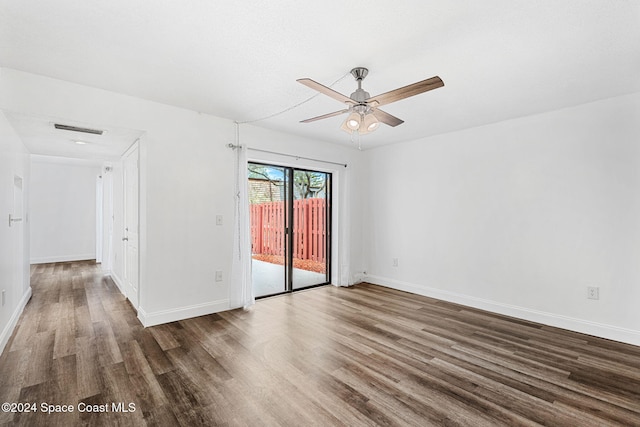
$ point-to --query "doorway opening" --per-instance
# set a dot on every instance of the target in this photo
(290, 215)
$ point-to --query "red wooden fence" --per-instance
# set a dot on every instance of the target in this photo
(309, 233)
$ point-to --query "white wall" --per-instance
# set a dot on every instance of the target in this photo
(186, 179)
(517, 217)
(14, 240)
(63, 209)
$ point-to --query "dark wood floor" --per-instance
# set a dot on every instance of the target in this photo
(364, 355)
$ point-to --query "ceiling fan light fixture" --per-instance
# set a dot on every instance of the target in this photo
(370, 122)
(345, 128)
(353, 121)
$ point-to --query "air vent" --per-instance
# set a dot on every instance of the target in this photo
(78, 129)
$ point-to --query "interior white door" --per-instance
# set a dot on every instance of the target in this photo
(99, 219)
(130, 238)
(16, 220)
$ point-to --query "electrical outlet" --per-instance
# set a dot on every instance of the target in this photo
(593, 292)
(218, 219)
(394, 262)
(218, 275)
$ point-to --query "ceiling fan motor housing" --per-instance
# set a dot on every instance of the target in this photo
(359, 73)
(361, 109)
(360, 95)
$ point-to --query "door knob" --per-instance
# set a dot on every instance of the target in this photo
(125, 238)
(12, 220)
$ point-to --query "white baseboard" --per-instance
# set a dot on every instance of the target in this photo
(8, 330)
(601, 330)
(117, 280)
(175, 314)
(62, 258)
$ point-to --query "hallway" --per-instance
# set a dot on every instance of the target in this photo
(72, 344)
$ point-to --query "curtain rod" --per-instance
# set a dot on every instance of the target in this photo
(233, 146)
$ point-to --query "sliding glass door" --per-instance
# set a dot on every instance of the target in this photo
(290, 228)
(310, 228)
(268, 192)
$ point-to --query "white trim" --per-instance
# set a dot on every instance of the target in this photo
(181, 313)
(629, 336)
(13, 321)
(99, 216)
(135, 145)
(62, 258)
(117, 280)
(133, 149)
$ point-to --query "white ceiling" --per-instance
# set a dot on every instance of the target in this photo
(41, 137)
(499, 59)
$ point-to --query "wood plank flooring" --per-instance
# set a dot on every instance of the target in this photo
(360, 356)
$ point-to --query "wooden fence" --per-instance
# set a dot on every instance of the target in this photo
(309, 233)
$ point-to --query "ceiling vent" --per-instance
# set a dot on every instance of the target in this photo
(78, 129)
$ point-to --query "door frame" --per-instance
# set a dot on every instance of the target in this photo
(133, 295)
(100, 218)
(17, 219)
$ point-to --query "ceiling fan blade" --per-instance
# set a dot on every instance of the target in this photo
(406, 91)
(387, 118)
(325, 90)
(324, 116)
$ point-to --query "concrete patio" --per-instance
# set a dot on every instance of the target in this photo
(268, 279)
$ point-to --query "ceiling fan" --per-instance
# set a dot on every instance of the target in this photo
(364, 113)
